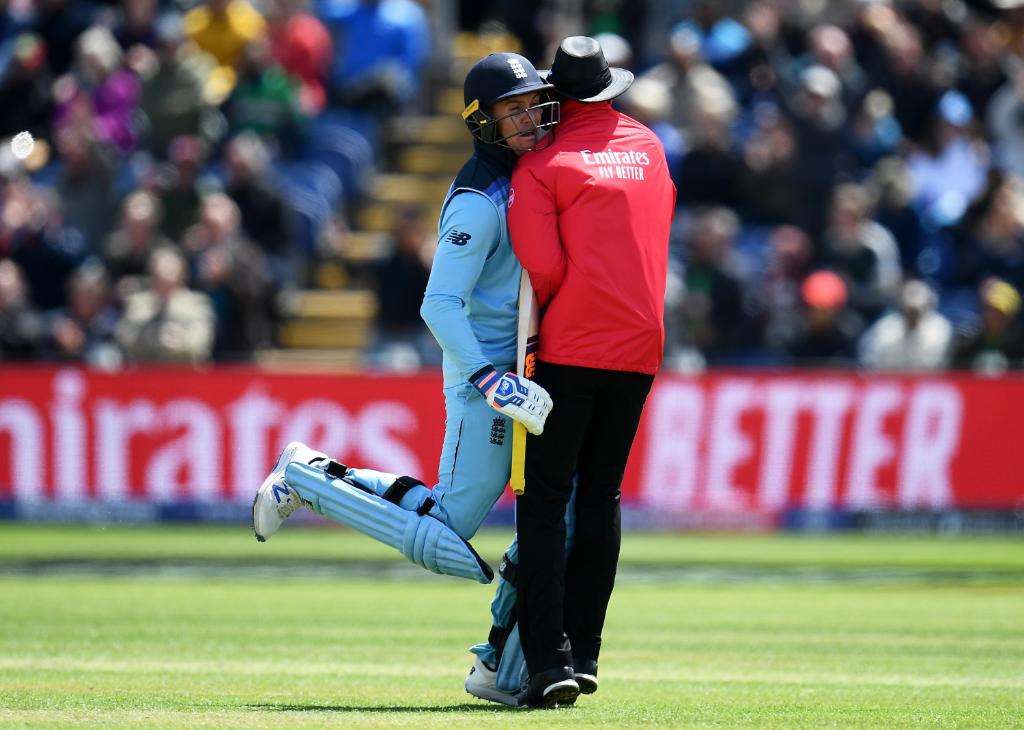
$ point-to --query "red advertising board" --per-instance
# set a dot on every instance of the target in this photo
(723, 442)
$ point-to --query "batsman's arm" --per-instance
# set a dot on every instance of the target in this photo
(469, 228)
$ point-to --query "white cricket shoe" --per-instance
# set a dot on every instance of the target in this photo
(482, 682)
(275, 500)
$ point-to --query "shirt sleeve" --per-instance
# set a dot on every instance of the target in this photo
(533, 226)
(469, 230)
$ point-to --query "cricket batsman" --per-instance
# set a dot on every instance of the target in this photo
(470, 306)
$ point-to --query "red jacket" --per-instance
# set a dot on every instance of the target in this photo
(589, 218)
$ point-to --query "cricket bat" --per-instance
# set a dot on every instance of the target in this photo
(527, 331)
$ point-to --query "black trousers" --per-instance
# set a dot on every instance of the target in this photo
(563, 598)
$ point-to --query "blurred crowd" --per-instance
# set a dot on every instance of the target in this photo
(189, 159)
(849, 176)
(850, 173)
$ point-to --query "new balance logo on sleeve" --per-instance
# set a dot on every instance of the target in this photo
(458, 238)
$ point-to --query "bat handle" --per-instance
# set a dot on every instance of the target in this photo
(517, 478)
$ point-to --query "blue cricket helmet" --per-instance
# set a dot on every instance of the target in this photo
(499, 76)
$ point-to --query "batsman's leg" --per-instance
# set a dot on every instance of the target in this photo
(418, 535)
(500, 668)
(275, 501)
(475, 462)
(502, 653)
(429, 527)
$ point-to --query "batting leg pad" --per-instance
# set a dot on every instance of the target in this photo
(423, 539)
(502, 646)
(512, 672)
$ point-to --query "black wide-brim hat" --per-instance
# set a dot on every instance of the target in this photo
(581, 72)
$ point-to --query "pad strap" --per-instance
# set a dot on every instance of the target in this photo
(508, 570)
(499, 634)
(428, 504)
(497, 638)
(335, 469)
(400, 487)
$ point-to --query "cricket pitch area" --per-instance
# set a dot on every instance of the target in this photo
(189, 627)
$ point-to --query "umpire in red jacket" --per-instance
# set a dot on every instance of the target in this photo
(589, 217)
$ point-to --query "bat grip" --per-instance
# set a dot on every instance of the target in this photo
(517, 478)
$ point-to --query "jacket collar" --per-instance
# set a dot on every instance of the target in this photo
(497, 158)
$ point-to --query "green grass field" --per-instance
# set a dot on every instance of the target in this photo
(203, 627)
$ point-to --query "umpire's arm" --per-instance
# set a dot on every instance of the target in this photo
(533, 226)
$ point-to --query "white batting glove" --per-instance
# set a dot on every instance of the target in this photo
(518, 398)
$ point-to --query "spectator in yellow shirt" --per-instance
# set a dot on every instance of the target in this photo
(222, 28)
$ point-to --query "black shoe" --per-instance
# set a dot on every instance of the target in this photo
(550, 688)
(584, 671)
